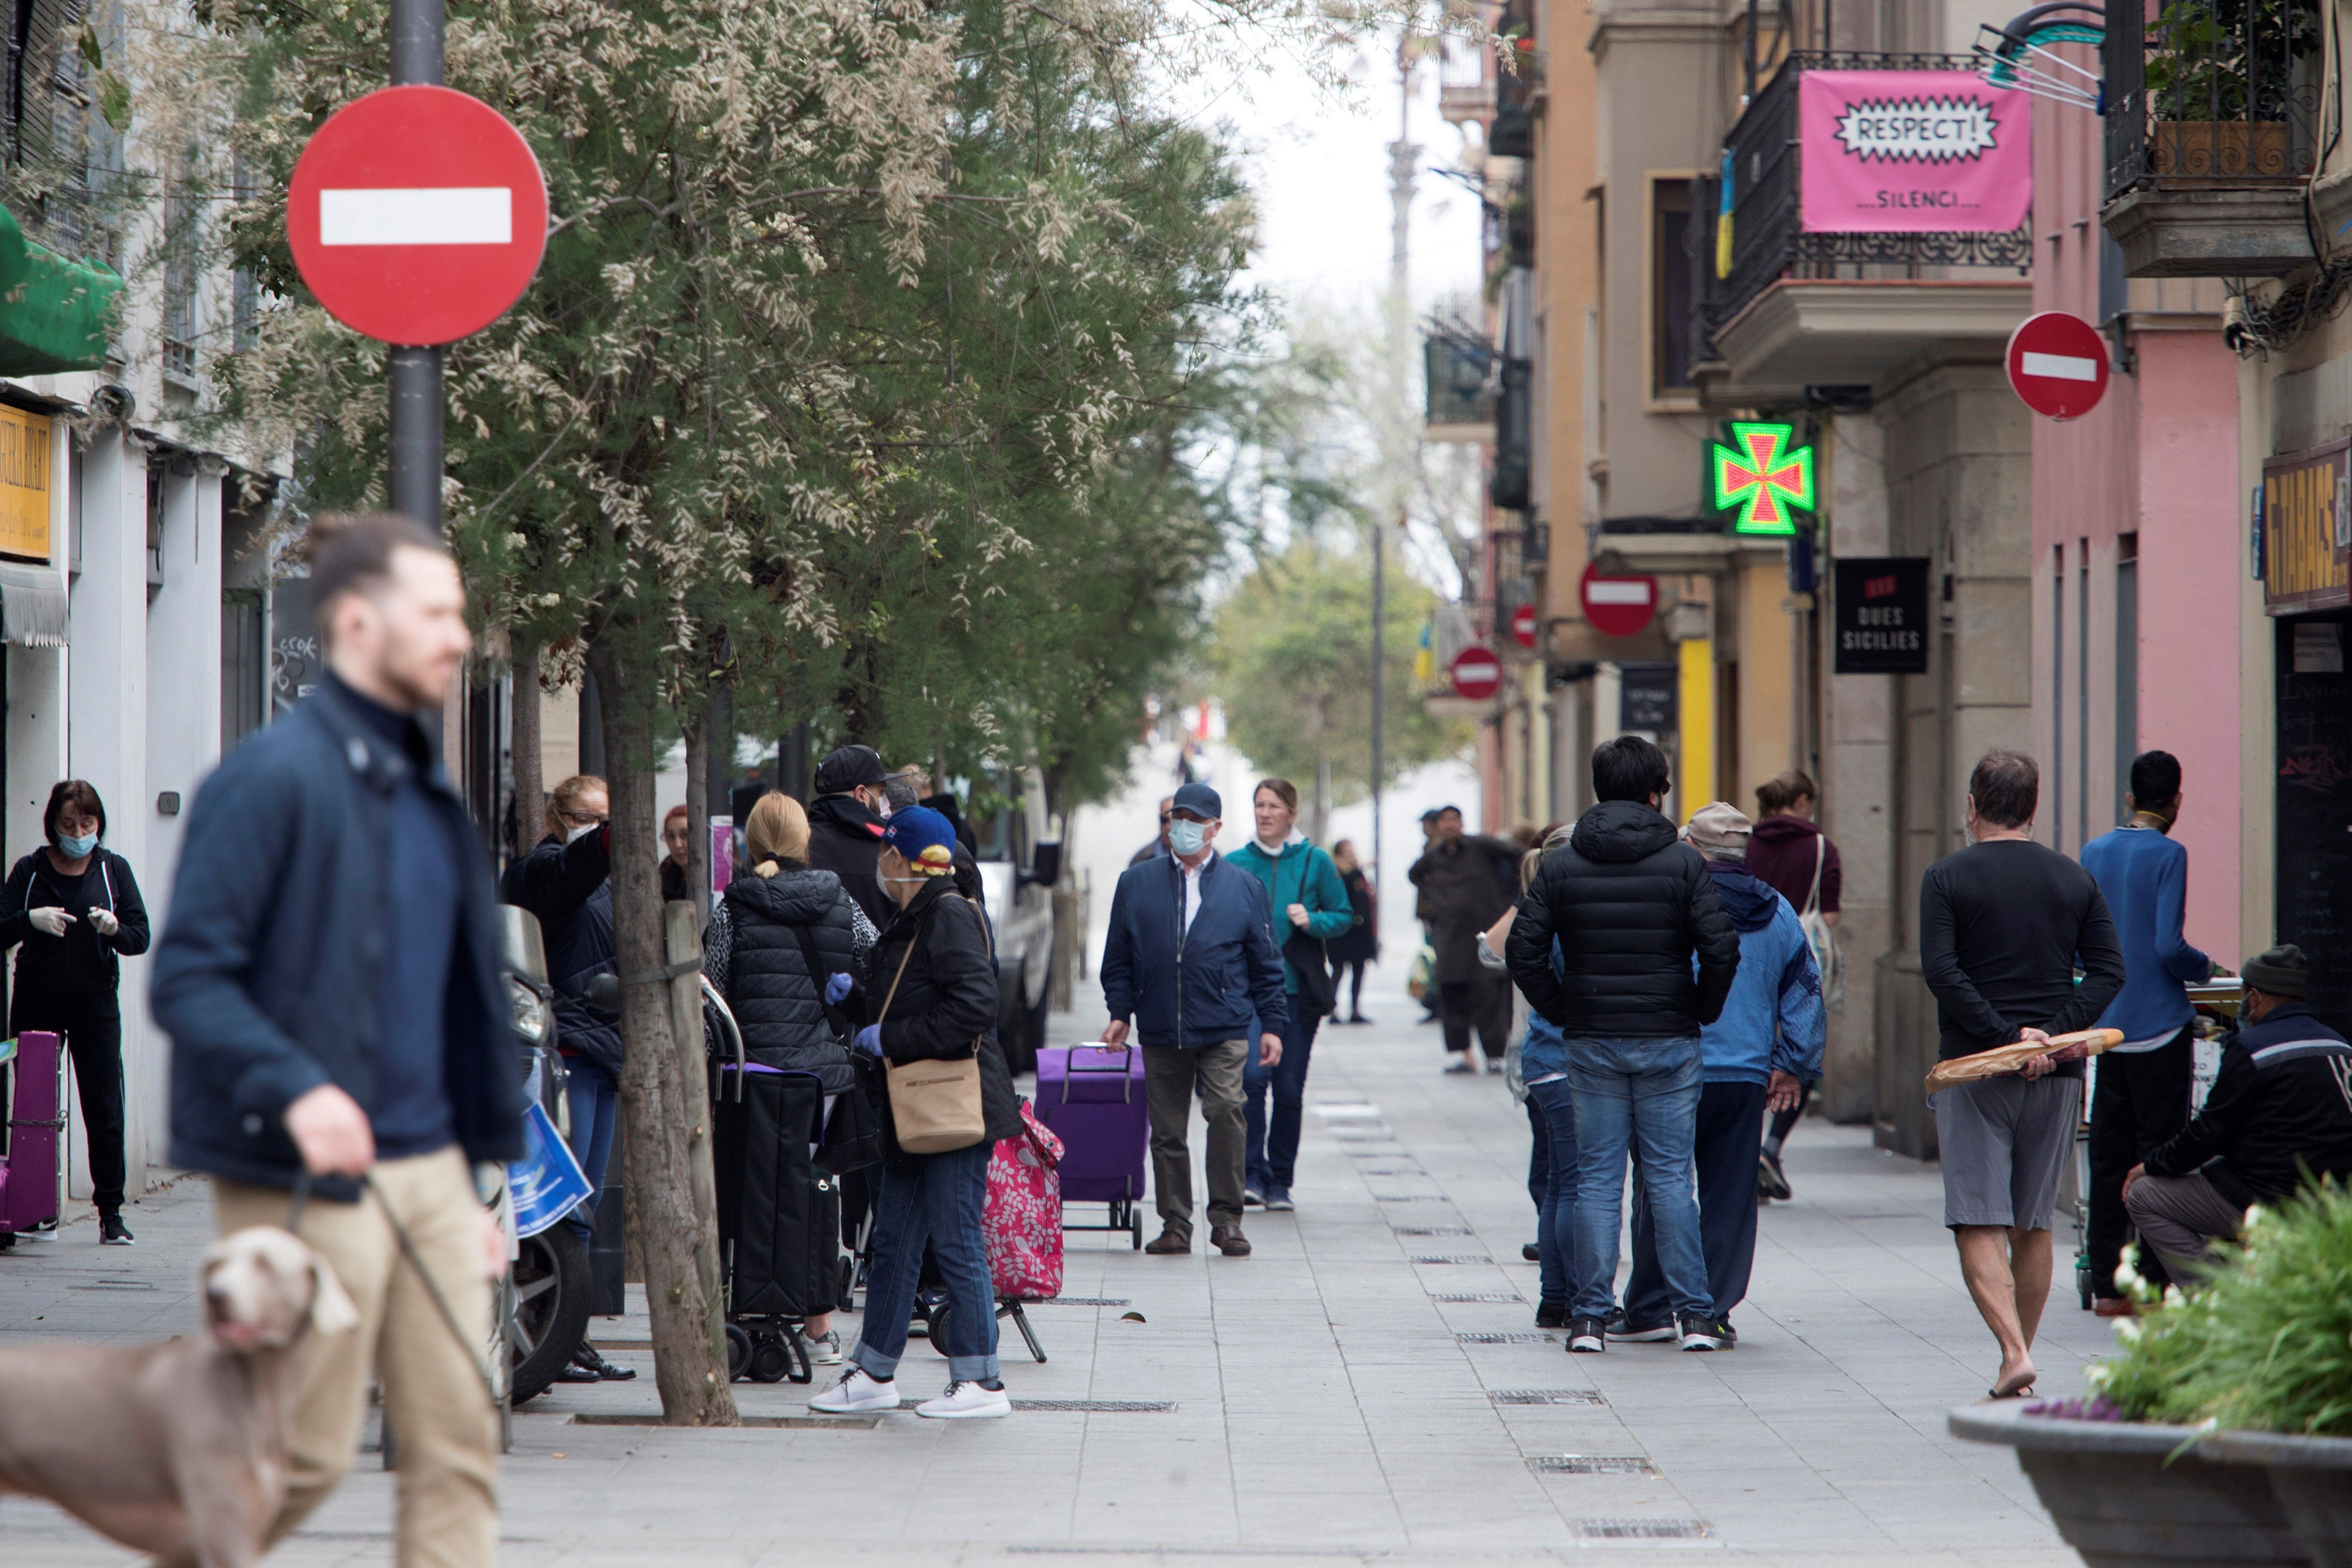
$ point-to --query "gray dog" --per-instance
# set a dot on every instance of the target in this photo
(178, 1448)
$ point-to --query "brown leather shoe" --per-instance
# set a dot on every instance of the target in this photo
(1229, 1240)
(2114, 1307)
(1170, 1245)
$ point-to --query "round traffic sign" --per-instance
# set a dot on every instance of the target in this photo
(1617, 606)
(417, 214)
(1477, 674)
(1522, 626)
(2058, 364)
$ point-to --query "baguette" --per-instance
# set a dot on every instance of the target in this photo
(2004, 1060)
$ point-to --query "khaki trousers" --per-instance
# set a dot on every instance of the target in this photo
(1170, 1073)
(449, 1435)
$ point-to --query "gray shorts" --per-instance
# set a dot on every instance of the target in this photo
(2004, 1142)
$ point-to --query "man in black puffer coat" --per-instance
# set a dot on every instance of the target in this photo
(1632, 907)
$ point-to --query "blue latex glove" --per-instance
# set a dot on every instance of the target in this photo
(835, 988)
(869, 1039)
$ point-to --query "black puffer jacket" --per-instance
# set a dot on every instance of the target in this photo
(777, 1003)
(1630, 906)
(570, 887)
(945, 999)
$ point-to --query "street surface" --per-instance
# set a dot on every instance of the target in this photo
(1337, 1395)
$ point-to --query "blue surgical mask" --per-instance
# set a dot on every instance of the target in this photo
(75, 849)
(1186, 838)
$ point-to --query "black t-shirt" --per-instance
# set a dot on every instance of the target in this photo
(2001, 926)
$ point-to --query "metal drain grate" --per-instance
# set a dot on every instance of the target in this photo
(1363, 1135)
(1591, 1465)
(1392, 1171)
(1410, 1197)
(1084, 1301)
(1640, 1529)
(1547, 1396)
(1099, 1407)
(1450, 1257)
(113, 1285)
(1507, 1338)
(1483, 1296)
(1431, 1230)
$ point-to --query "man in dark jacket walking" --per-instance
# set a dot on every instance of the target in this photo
(1631, 906)
(1467, 881)
(2280, 1115)
(329, 975)
(1190, 958)
(846, 819)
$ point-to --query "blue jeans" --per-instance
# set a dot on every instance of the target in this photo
(1730, 1135)
(938, 1200)
(1628, 1094)
(1273, 1146)
(1552, 1111)
(595, 1107)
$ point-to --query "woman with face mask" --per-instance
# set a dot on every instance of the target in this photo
(566, 880)
(75, 909)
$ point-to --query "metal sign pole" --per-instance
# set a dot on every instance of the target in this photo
(414, 373)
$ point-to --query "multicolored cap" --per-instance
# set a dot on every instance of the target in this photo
(924, 837)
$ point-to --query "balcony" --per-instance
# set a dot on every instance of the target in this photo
(2212, 129)
(1796, 309)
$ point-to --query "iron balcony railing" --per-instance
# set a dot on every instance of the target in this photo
(1768, 238)
(2212, 92)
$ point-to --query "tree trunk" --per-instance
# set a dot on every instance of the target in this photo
(665, 1099)
(697, 818)
(530, 780)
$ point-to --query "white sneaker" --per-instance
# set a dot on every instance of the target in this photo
(824, 1350)
(966, 1400)
(857, 1392)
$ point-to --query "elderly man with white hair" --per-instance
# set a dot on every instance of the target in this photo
(1757, 1057)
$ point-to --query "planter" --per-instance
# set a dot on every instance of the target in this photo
(2312, 1479)
(2221, 149)
(2119, 1503)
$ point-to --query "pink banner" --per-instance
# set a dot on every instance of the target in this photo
(1912, 152)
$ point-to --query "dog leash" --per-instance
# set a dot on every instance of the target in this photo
(301, 1201)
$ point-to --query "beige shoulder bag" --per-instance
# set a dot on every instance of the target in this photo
(934, 1104)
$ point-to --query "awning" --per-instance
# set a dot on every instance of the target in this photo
(32, 607)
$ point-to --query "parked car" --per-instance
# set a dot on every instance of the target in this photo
(1019, 865)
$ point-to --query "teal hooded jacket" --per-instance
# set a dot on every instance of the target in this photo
(1304, 874)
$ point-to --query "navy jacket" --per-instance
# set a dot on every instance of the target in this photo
(2280, 1107)
(1203, 988)
(275, 928)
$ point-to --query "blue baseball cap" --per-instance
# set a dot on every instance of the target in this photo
(924, 837)
(1200, 801)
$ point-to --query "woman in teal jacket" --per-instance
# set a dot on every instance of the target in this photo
(1305, 890)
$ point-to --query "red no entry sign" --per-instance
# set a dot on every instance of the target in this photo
(1477, 674)
(1617, 606)
(1522, 626)
(417, 214)
(2058, 363)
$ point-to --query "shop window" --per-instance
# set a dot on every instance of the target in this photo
(1670, 290)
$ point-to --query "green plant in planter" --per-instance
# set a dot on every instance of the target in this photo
(2264, 1344)
(2226, 60)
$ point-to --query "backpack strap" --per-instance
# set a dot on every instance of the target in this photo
(1820, 859)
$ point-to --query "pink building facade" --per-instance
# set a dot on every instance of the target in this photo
(2136, 546)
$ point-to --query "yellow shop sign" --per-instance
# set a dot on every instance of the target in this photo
(25, 483)
(2306, 526)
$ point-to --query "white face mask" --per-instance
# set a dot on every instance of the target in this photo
(576, 834)
(1186, 838)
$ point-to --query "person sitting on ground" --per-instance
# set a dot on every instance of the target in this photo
(2280, 1115)
(1756, 1057)
(2002, 924)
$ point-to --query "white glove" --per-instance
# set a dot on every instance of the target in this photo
(103, 922)
(51, 919)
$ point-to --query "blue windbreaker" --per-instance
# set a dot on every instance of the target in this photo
(1774, 1018)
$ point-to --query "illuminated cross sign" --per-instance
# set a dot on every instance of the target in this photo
(1760, 476)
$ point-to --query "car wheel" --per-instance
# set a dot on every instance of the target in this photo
(550, 1311)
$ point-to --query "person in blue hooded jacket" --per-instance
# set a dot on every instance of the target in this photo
(2139, 1096)
(1190, 958)
(1757, 1057)
(1304, 889)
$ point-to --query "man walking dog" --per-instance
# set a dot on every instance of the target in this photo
(329, 976)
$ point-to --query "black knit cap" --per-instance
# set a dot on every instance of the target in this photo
(2280, 971)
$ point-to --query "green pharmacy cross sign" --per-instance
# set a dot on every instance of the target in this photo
(1759, 474)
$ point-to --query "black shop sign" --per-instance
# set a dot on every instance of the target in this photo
(1881, 612)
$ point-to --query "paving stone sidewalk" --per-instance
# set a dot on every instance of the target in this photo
(1368, 1386)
